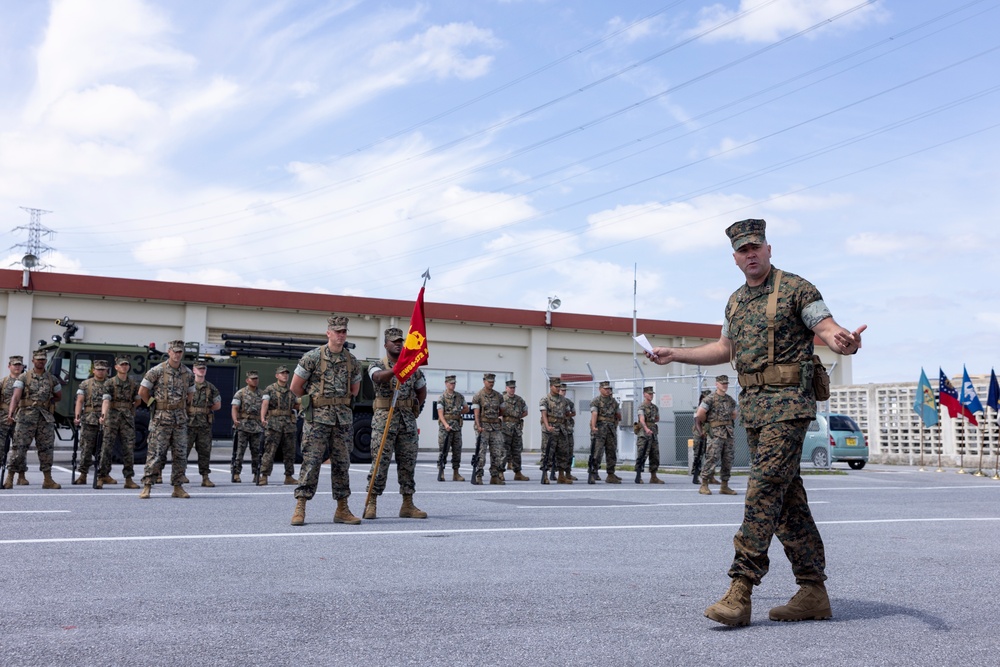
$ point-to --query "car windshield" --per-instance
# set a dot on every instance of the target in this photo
(842, 423)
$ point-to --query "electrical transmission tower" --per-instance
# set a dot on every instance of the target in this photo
(34, 248)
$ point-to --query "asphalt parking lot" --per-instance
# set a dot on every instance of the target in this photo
(497, 575)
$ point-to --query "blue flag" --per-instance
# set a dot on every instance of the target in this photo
(969, 398)
(994, 398)
(925, 402)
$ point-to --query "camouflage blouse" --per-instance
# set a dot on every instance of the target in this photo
(452, 405)
(489, 402)
(651, 412)
(205, 396)
(93, 391)
(336, 382)
(280, 408)
(248, 401)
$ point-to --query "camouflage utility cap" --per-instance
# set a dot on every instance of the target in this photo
(128, 362)
(281, 369)
(724, 379)
(393, 333)
(449, 378)
(175, 345)
(17, 359)
(554, 382)
(39, 354)
(605, 385)
(489, 376)
(100, 365)
(647, 390)
(336, 323)
(746, 231)
(511, 383)
(200, 363)
(562, 385)
(251, 375)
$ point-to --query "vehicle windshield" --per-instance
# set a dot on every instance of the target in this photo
(843, 423)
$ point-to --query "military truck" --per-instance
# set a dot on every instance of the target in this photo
(73, 362)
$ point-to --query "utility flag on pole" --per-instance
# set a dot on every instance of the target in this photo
(414, 353)
(925, 403)
(969, 398)
(947, 395)
(993, 400)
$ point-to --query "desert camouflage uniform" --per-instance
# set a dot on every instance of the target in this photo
(93, 391)
(401, 440)
(34, 420)
(249, 431)
(719, 431)
(328, 378)
(280, 429)
(452, 406)
(607, 411)
(172, 389)
(570, 428)
(776, 419)
(489, 402)
(557, 455)
(200, 418)
(120, 423)
(646, 445)
(514, 408)
(6, 391)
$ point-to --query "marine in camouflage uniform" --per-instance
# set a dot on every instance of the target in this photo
(604, 417)
(699, 445)
(87, 416)
(325, 380)
(487, 406)
(35, 392)
(570, 430)
(205, 400)
(171, 383)
(646, 444)
(556, 454)
(776, 406)
(401, 435)
(118, 417)
(246, 421)
(277, 413)
(718, 410)
(514, 412)
(451, 406)
(15, 365)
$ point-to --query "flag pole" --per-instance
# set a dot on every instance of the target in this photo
(940, 439)
(979, 472)
(376, 464)
(921, 469)
(961, 454)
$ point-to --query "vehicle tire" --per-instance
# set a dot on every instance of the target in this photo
(821, 458)
(361, 451)
(856, 465)
(141, 435)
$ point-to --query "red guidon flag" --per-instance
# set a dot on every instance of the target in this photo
(414, 353)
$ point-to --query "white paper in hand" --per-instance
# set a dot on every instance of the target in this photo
(644, 343)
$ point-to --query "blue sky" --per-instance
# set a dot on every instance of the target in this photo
(524, 149)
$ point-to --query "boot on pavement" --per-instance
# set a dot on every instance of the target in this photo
(8, 483)
(518, 477)
(146, 489)
(299, 515)
(179, 492)
(725, 490)
(704, 490)
(343, 513)
(810, 603)
(48, 482)
(129, 484)
(21, 479)
(734, 607)
(371, 509)
(205, 481)
(262, 481)
(455, 477)
(290, 481)
(108, 479)
(653, 479)
(410, 511)
(81, 480)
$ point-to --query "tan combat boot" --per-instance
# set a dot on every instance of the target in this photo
(653, 479)
(262, 481)
(205, 481)
(501, 477)
(21, 479)
(734, 607)
(290, 481)
(48, 482)
(613, 479)
(455, 477)
(712, 480)
(185, 480)
(725, 490)
(146, 489)
(570, 476)
(81, 480)
(343, 514)
(494, 480)
(704, 490)
(236, 479)
(562, 478)
(9, 482)
(108, 479)
(179, 492)
(518, 477)
(299, 515)
(410, 511)
(371, 509)
(129, 484)
(810, 603)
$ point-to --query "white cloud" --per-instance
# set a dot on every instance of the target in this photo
(875, 244)
(779, 19)
(729, 148)
(210, 99)
(108, 112)
(160, 251)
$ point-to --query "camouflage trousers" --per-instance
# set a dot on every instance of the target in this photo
(44, 435)
(776, 505)
(245, 440)
(5, 428)
(164, 438)
(317, 440)
(607, 445)
(493, 442)
(274, 439)
(452, 445)
(645, 447)
(89, 434)
(514, 445)
(557, 453)
(401, 442)
(718, 451)
(121, 427)
(200, 440)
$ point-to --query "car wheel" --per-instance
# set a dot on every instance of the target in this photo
(821, 458)
(856, 465)
(361, 451)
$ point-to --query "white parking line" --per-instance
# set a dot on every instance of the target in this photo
(34, 511)
(450, 531)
